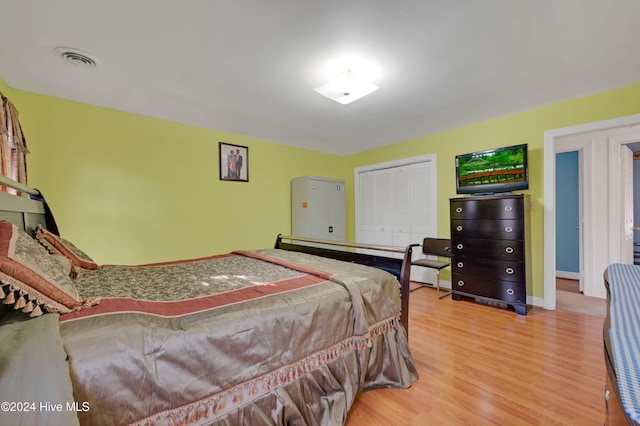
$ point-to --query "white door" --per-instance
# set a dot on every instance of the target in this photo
(376, 209)
(384, 207)
(621, 195)
(401, 184)
(367, 208)
(423, 215)
(396, 204)
(626, 169)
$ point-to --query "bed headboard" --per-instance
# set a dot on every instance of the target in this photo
(24, 212)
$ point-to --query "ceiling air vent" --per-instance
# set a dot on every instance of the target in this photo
(76, 57)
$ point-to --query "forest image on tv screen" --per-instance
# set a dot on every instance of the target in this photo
(489, 168)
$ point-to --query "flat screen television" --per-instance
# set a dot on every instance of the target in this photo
(493, 171)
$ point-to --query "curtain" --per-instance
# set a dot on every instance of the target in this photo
(13, 146)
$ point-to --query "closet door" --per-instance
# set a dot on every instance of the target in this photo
(401, 205)
(423, 210)
(397, 206)
(385, 204)
(367, 208)
(377, 208)
(383, 212)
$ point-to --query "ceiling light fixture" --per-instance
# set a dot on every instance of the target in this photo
(346, 88)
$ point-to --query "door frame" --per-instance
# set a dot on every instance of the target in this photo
(616, 191)
(552, 140)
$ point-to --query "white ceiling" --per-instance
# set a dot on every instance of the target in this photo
(250, 66)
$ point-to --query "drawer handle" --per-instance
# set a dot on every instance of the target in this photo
(510, 291)
(509, 271)
(508, 229)
(509, 250)
(459, 246)
(508, 208)
(460, 265)
(461, 283)
(459, 228)
(459, 210)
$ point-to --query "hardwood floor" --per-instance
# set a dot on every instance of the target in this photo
(565, 284)
(570, 298)
(481, 365)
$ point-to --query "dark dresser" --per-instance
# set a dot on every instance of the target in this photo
(491, 255)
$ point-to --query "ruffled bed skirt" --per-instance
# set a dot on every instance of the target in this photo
(319, 390)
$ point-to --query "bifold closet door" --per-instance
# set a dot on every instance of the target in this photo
(398, 207)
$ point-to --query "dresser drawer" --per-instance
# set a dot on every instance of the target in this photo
(504, 270)
(494, 249)
(499, 208)
(507, 291)
(488, 229)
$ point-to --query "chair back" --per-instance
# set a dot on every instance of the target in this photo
(437, 247)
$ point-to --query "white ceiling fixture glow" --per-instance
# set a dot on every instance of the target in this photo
(346, 88)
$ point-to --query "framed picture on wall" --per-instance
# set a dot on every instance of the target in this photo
(234, 162)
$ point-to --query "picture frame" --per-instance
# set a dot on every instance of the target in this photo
(234, 162)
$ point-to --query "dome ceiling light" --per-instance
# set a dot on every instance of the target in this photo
(346, 88)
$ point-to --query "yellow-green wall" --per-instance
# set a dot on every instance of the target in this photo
(525, 127)
(132, 189)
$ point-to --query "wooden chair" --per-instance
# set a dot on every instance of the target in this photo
(440, 248)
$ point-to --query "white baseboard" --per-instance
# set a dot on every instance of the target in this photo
(535, 301)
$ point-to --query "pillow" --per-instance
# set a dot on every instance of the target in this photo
(63, 262)
(31, 278)
(57, 245)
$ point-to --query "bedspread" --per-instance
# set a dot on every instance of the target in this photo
(262, 337)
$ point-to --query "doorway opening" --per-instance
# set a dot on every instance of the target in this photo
(602, 239)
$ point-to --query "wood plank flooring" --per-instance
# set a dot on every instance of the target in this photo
(482, 365)
(566, 284)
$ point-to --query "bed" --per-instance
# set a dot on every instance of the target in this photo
(285, 335)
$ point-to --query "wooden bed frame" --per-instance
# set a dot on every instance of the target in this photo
(27, 213)
(399, 267)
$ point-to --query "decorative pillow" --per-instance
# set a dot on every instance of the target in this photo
(63, 262)
(58, 245)
(31, 279)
